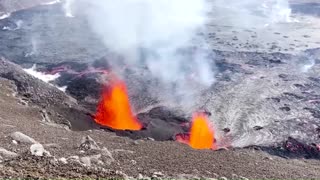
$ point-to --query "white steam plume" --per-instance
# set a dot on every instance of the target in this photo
(34, 50)
(40, 75)
(67, 8)
(163, 29)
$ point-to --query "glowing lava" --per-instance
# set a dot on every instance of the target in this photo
(201, 136)
(114, 109)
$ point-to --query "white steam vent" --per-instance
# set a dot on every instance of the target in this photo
(40, 75)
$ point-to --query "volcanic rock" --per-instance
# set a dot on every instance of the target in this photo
(22, 138)
(293, 148)
(235, 176)
(92, 160)
(140, 176)
(160, 124)
(59, 107)
(87, 85)
(226, 130)
(257, 128)
(86, 160)
(157, 174)
(74, 160)
(7, 154)
(88, 143)
(188, 176)
(107, 156)
(38, 150)
(123, 175)
(15, 142)
(133, 162)
(285, 108)
(54, 161)
(167, 114)
(63, 160)
(150, 139)
(243, 178)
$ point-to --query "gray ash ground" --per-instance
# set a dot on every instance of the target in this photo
(265, 99)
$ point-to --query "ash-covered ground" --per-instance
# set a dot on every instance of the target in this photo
(264, 103)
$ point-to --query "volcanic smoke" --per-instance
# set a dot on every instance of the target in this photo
(155, 35)
(114, 108)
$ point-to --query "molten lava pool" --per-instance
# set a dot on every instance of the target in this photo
(114, 108)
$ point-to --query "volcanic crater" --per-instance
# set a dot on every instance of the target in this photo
(263, 103)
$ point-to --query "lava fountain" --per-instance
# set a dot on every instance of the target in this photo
(114, 108)
(201, 136)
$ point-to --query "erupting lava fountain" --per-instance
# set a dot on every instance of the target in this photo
(201, 135)
(114, 108)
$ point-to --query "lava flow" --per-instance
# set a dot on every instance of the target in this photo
(114, 109)
(201, 135)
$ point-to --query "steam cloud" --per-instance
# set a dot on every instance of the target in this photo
(161, 30)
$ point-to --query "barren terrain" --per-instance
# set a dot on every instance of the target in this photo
(266, 90)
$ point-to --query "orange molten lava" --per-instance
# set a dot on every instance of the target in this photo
(114, 109)
(201, 135)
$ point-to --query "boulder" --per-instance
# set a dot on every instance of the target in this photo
(38, 150)
(5, 154)
(22, 138)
